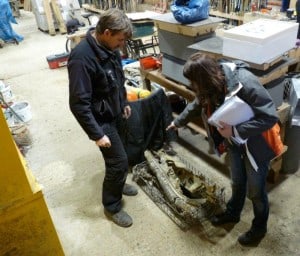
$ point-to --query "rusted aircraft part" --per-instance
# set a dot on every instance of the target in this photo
(185, 197)
(148, 183)
(172, 193)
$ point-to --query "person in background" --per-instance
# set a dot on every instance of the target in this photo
(211, 81)
(97, 99)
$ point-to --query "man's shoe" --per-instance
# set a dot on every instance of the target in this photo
(224, 218)
(251, 237)
(121, 218)
(129, 190)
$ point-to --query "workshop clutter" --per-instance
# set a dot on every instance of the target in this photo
(134, 93)
(16, 112)
(149, 62)
(17, 115)
(52, 15)
(21, 135)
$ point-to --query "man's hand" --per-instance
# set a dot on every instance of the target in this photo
(127, 112)
(104, 142)
(226, 130)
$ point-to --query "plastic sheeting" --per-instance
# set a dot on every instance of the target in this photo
(7, 33)
(191, 11)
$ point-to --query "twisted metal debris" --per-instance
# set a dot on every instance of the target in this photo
(182, 192)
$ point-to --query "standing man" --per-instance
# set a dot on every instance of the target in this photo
(212, 81)
(97, 99)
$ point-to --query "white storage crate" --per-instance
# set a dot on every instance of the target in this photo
(260, 41)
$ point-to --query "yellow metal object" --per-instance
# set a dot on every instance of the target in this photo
(26, 227)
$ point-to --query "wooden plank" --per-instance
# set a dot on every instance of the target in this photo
(77, 37)
(27, 5)
(183, 30)
(292, 54)
(292, 4)
(283, 112)
(230, 16)
(274, 72)
(91, 8)
(58, 16)
(275, 167)
(49, 17)
(268, 78)
(167, 22)
(157, 77)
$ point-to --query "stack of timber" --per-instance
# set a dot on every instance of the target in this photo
(53, 14)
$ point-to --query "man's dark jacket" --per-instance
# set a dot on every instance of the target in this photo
(96, 85)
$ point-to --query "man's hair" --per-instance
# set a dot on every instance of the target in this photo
(116, 21)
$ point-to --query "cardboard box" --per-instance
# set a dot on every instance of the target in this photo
(260, 41)
(58, 60)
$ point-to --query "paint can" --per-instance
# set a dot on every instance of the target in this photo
(23, 110)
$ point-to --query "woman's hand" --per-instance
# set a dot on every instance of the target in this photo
(127, 112)
(172, 126)
(226, 130)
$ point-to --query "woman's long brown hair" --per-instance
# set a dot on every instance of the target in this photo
(206, 77)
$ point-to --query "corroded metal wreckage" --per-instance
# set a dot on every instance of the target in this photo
(178, 189)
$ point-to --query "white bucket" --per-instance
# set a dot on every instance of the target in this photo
(5, 92)
(22, 109)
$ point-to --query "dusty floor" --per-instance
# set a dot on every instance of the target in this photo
(70, 169)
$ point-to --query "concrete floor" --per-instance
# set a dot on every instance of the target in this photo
(70, 168)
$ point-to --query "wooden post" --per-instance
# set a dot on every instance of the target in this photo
(49, 17)
(27, 5)
(57, 13)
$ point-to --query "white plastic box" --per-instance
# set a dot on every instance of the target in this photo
(260, 41)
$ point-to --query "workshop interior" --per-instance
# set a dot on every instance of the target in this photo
(51, 173)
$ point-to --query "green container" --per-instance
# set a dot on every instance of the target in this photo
(142, 29)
